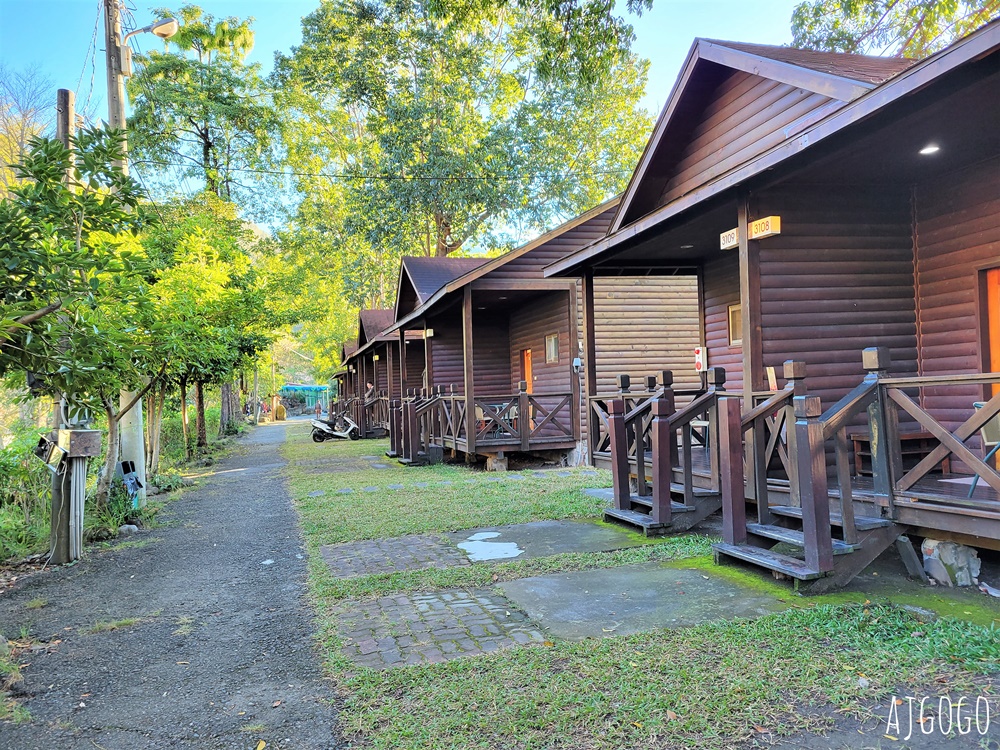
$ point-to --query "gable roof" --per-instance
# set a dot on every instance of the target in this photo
(371, 323)
(916, 76)
(834, 79)
(421, 277)
(598, 217)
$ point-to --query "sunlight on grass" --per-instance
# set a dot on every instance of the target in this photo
(712, 686)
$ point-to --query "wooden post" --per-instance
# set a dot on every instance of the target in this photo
(664, 451)
(795, 375)
(523, 423)
(576, 408)
(714, 380)
(402, 362)
(394, 410)
(734, 502)
(589, 341)
(470, 386)
(883, 427)
(624, 383)
(810, 456)
(619, 454)
(391, 385)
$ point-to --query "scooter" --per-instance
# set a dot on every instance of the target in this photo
(342, 428)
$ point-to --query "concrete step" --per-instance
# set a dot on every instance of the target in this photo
(765, 558)
(793, 537)
(863, 523)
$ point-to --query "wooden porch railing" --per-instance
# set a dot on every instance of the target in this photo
(654, 426)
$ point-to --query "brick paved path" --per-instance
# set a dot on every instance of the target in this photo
(372, 556)
(422, 628)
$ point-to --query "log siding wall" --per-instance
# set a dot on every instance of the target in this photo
(747, 115)
(529, 327)
(643, 325)
(957, 237)
(720, 289)
(838, 279)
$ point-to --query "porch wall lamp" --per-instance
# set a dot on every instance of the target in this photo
(429, 333)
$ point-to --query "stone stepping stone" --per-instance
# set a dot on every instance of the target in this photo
(542, 539)
(370, 489)
(422, 484)
(564, 473)
(380, 466)
(395, 486)
(589, 473)
(515, 477)
(345, 491)
(446, 482)
(407, 629)
(317, 493)
(372, 458)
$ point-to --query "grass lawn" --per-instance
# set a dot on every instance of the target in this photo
(713, 686)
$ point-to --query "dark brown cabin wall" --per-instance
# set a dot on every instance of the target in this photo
(747, 115)
(643, 325)
(720, 289)
(415, 364)
(529, 326)
(491, 360)
(957, 236)
(838, 279)
(447, 359)
(381, 370)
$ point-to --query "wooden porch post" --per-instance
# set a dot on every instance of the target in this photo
(753, 371)
(882, 426)
(428, 357)
(523, 423)
(574, 376)
(619, 453)
(402, 362)
(664, 451)
(470, 388)
(394, 437)
(589, 361)
(388, 369)
(810, 457)
(734, 503)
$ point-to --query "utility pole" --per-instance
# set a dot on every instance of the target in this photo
(131, 433)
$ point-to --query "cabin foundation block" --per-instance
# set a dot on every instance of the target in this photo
(435, 454)
(496, 462)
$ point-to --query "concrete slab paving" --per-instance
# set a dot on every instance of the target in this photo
(632, 599)
(544, 538)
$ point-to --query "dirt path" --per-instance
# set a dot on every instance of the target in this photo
(222, 653)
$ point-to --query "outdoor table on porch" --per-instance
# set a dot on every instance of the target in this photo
(914, 445)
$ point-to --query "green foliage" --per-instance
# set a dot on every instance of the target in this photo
(446, 124)
(200, 107)
(65, 239)
(24, 495)
(904, 28)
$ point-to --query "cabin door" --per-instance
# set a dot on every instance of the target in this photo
(993, 321)
(526, 367)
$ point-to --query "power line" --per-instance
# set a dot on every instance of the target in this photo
(393, 178)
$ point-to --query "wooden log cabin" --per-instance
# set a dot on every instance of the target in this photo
(376, 361)
(832, 205)
(503, 342)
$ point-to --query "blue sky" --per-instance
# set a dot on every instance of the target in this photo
(56, 35)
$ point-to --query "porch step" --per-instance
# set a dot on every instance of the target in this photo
(793, 537)
(606, 493)
(421, 460)
(639, 520)
(790, 566)
(863, 523)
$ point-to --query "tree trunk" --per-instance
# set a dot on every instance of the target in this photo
(156, 428)
(184, 418)
(199, 408)
(103, 491)
(230, 413)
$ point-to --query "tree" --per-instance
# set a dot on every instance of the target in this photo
(76, 278)
(201, 107)
(443, 125)
(903, 28)
(25, 112)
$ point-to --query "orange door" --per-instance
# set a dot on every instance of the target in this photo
(526, 367)
(993, 320)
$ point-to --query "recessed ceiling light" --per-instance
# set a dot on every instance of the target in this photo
(480, 308)
(930, 148)
(687, 247)
(503, 298)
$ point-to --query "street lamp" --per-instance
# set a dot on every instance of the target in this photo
(164, 28)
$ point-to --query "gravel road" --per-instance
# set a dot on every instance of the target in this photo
(221, 654)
